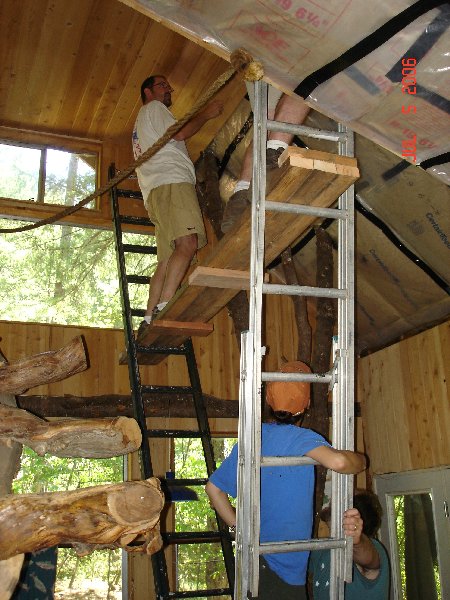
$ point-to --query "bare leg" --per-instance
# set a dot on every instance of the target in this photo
(290, 109)
(169, 273)
(156, 286)
(179, 261)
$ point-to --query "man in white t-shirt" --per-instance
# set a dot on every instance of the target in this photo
(167, 182)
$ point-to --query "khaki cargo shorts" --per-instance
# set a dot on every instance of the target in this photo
(174, 210)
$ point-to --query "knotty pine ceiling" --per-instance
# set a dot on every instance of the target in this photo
(74, 67)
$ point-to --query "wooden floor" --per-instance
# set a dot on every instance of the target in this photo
(305, 177)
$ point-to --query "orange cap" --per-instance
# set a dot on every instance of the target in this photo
(289, 396)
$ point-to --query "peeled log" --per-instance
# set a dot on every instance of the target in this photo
(90, 438)
(17, 377)
(110, 515)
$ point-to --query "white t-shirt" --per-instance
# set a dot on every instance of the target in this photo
(171, 164)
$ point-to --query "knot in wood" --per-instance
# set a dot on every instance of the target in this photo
(243, 63)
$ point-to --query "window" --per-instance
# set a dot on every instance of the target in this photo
(47, 175)
(416, 528)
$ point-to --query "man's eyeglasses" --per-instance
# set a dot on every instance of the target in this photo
(164, 85)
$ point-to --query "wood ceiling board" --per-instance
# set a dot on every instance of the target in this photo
(297, 185)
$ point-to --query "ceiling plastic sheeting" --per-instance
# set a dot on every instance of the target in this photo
(405, 111)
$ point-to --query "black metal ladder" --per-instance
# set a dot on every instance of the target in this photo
(222, 534)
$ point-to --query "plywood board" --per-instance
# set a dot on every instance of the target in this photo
(305, 177)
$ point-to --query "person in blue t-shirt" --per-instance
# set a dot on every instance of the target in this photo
(286, 492)
(370, 560)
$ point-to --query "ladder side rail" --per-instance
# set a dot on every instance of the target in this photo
(158, 560)
(208, 452)
(343, 405)
(133, 367)
(244, 500)
(255, 314)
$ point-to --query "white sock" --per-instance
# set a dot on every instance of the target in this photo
(148, 319)
(241, 185)
(276, 144)
(161, 305)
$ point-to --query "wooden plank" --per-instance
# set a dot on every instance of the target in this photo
(222, 278)
(187, 328)
(319, 183)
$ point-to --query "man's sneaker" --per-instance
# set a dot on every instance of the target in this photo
(142, 327)
(143, 324)
(235, 206)
(272, 156)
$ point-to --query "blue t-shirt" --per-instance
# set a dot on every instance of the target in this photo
(286, 494)
(360, 588)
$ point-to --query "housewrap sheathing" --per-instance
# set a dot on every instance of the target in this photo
(294, 38)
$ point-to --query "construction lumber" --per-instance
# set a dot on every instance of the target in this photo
(17, 377)
(305, 177)
(172, 404)
(108, 516)
(91, 438)
(221, 278)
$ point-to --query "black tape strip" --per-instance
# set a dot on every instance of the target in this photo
(435, 160)
(398, 244)
(395, 170)
(423, 44)
(366, 46)
(432, 98)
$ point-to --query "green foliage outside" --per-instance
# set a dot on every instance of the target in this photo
(67, 275)
(39, 474)
(199, 566)
(399, 508)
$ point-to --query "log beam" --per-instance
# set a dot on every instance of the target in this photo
(91, 438)
(156, 405)
(109, 516)
(48, 367)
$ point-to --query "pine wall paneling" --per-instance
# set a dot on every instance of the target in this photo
(405, 399)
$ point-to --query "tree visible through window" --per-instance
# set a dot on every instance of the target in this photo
(44, 174)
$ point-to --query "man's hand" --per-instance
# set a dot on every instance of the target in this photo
(213, 109)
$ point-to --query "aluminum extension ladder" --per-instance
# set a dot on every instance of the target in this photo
(222, 535)
(340, 378)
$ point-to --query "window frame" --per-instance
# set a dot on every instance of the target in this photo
(74, 147)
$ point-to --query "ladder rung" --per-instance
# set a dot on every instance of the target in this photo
(201, 593)
(302, 209)
(287, 461)
(173, 433)
(137, 312)
(184, 482)
(139, 249)
(303, 290)
(138, 279)
(128, 193)
(309, 377)
(178, 350)
(301, 545)
(191, 537)
(320, 134)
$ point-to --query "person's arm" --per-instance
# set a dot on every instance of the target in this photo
(211, 111)
(342, 461)
(221, 503)
(365, 554)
